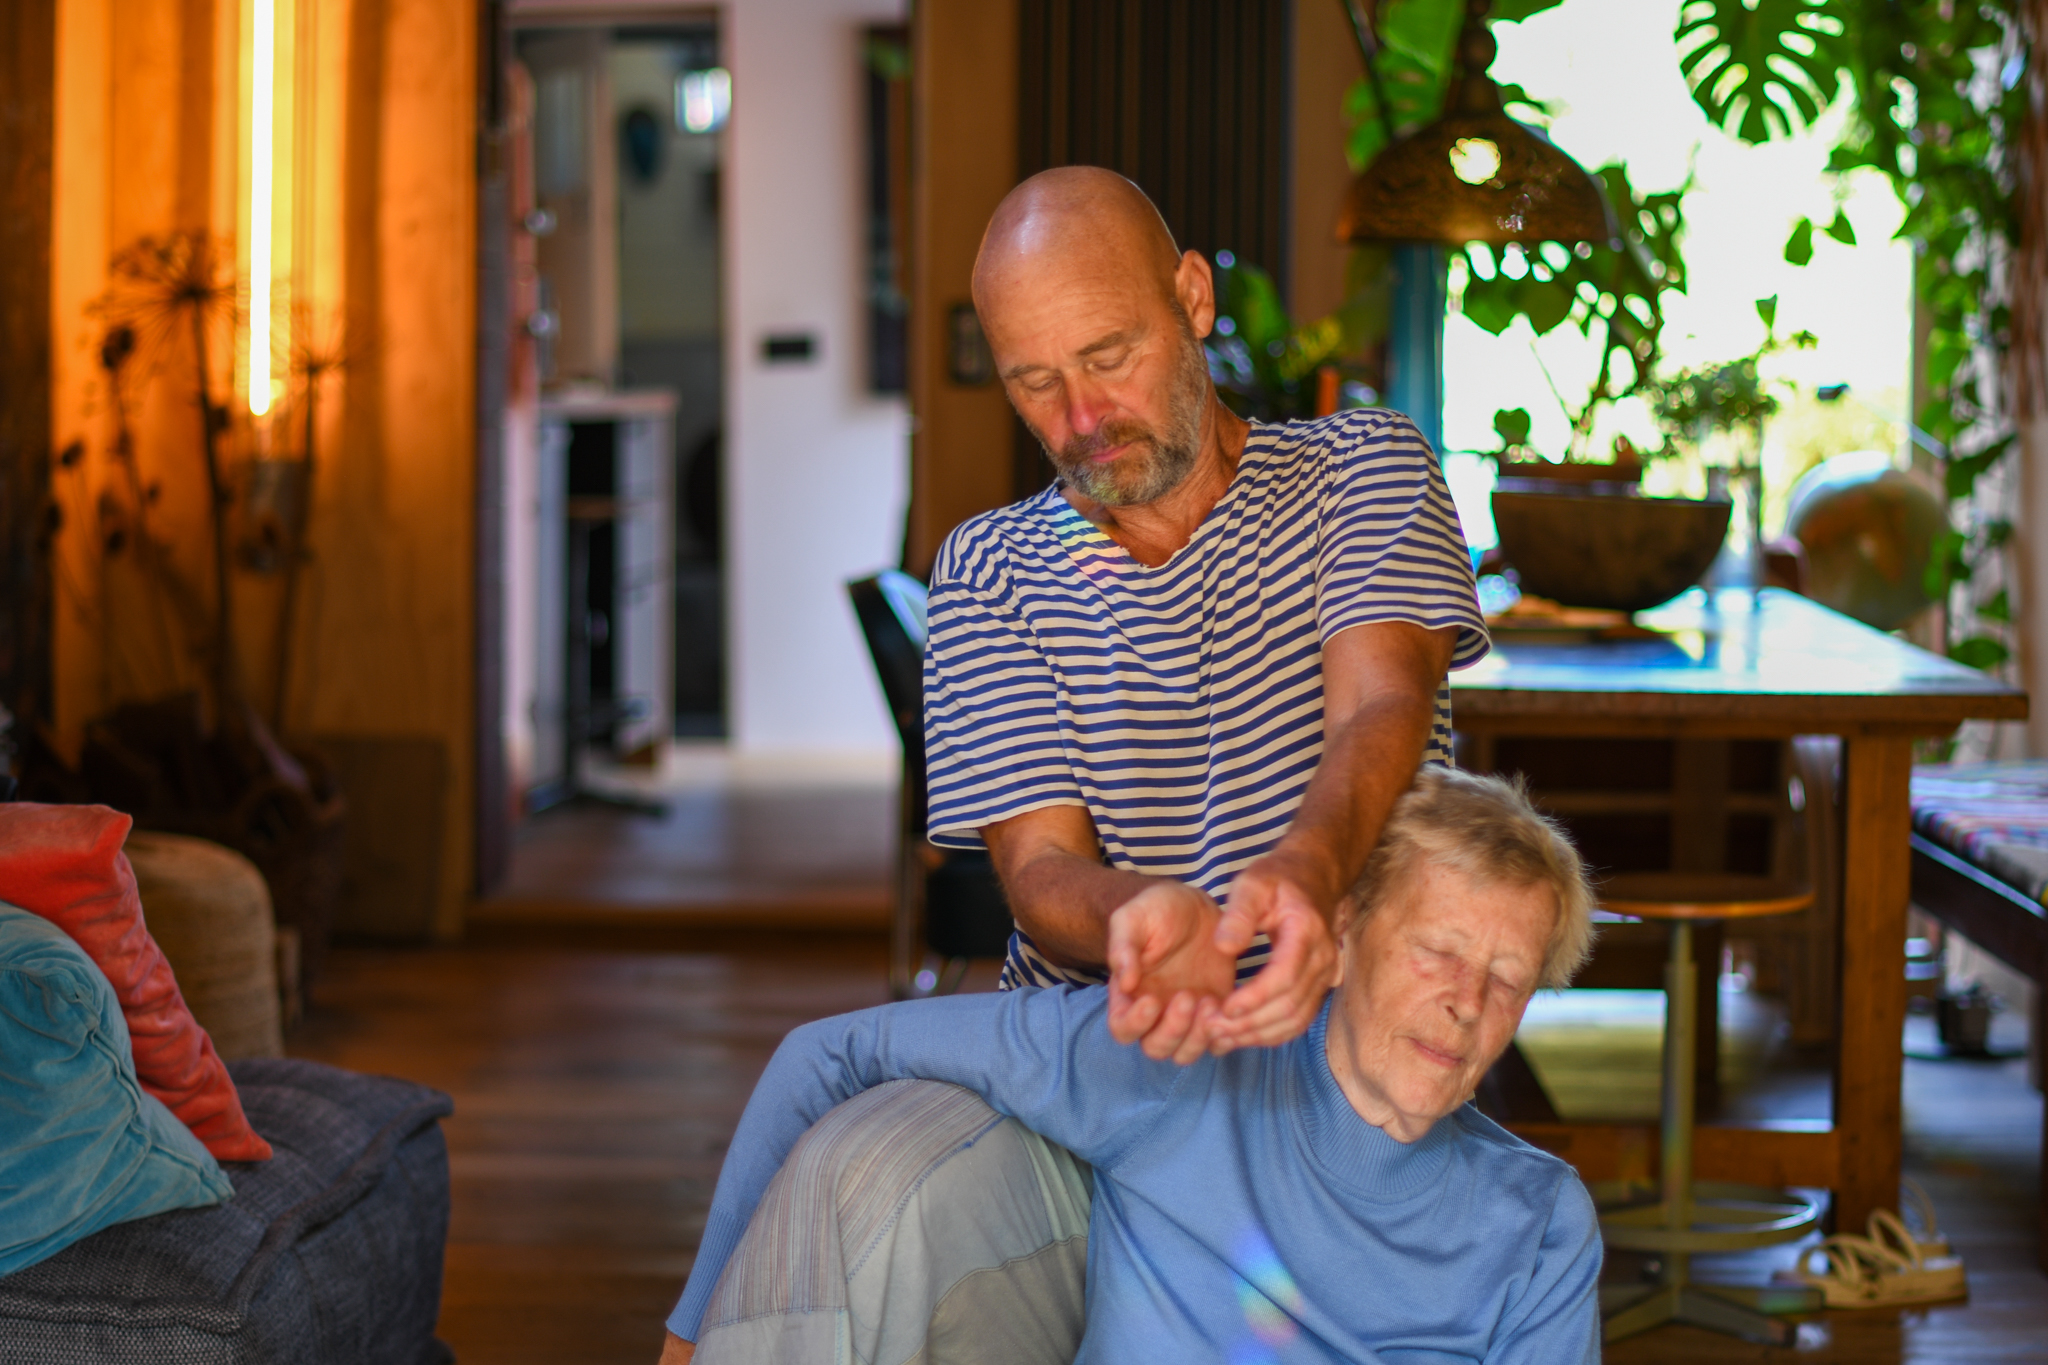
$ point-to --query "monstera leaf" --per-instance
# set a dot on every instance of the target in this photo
(1514, 11)
(1762, 68)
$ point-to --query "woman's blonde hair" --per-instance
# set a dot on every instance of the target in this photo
(1487, 829)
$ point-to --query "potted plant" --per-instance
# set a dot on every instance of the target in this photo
(1730, 399)
(184, 748)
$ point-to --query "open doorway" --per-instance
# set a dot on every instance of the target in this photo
(616, 547)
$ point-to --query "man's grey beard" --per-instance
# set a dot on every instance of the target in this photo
(1158, 461)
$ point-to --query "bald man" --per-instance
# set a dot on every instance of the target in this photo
(1187, 682)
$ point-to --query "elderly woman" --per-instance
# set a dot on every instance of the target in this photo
(1331, 1199)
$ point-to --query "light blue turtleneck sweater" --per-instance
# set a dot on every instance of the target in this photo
(1243, 1210)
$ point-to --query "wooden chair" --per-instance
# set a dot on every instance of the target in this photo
(1680, 1216)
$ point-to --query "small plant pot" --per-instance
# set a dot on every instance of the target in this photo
(1964, 1022)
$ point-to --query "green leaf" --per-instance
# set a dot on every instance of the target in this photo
(1767, 309)
(1963, 471)
(1997, 608)
(1246, 295)
(1514, 11)
(1512, 424)
(1799, 246)
(1522, 104)
(1841, 229)
(1490, 304)
(1762, 68)
(1547, 302)
(1947, 563)
(1424, 30)
(1979, 651)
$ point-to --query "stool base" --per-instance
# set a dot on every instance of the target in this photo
(1716, 1309)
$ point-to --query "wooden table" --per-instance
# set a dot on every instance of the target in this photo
(1769, 667)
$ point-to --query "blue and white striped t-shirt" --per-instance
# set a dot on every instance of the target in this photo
(1182, 705)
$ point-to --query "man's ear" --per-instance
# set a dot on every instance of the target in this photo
(1195, 287)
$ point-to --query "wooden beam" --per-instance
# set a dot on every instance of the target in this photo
(2008, 925)
(1325, 64)
(963, 161)
(493, 797)
(1876, 877)
(1781, 1155)
(28, 69)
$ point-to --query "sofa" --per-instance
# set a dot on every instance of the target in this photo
(330, 1252)
(163, 1200)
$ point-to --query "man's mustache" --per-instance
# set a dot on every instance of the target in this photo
(1081, 449)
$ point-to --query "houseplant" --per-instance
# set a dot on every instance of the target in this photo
(183, 749)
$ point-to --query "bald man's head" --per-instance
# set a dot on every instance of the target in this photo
(1095, 321)
(1067, 217)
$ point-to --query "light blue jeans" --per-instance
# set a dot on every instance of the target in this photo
(913, 1223)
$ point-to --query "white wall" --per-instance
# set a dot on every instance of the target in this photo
(816, 468)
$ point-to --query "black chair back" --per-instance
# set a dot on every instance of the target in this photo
(890, 607)
(965, 914)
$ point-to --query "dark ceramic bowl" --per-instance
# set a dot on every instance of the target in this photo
(1611, 549)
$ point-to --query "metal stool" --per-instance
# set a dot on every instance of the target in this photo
(1681, 1216)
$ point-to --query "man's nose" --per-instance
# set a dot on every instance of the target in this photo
(1088, 406)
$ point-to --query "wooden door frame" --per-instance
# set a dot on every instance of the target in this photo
(28, 80)
(492, 850)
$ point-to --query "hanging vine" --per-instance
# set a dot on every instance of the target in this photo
(1938, 98)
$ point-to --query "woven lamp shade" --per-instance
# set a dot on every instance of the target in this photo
(1475, 175)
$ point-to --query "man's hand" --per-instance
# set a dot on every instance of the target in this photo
(1282, 900)
(1170, 971)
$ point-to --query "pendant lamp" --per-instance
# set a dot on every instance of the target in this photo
(1475, 175)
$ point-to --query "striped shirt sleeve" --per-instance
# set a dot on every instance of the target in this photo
(992, 734)
(1390, 547)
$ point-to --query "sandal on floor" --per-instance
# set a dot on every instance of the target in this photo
(1883, 1270)
(1928, 1237)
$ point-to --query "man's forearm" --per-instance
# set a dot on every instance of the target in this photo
(1368, 761)
(1064, 901)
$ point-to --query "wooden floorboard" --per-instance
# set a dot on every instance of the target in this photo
(597, 1078)
(594, 1095)
(808, 858)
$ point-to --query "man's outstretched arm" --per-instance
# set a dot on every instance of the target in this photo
(1380, 682)
(1164, 950)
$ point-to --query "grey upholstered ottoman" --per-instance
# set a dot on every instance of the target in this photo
(328, 1253)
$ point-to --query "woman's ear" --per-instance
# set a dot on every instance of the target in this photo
(1342, 922)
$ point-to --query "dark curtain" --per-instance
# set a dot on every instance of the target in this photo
(1189, 98)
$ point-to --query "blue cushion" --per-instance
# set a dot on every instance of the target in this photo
(82, 1145)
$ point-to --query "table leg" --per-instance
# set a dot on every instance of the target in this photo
(1876, 873)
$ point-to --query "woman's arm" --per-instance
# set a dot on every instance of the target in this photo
(1558, 1316)
(1043, 1057)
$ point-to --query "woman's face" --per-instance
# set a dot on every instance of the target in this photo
(1435, 982)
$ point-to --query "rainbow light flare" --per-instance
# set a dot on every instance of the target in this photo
(262, 158)
(1268, 1296)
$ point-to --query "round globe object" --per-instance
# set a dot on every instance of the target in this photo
(1868, 529)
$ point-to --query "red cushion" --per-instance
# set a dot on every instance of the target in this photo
(65, 863)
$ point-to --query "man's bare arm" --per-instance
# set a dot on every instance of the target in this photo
(1379, 702)
(1170, 969)
(1060, 891)
(676, 1351)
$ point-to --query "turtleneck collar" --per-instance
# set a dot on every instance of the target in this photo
(1355, 1152)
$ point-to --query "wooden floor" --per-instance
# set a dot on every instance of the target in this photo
(597, 1076)
(814, 858)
